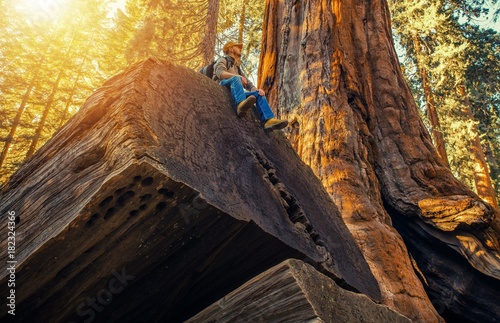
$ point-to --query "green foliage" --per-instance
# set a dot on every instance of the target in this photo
(454, 53)
(483, 78)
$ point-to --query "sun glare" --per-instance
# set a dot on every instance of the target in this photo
(40, 9)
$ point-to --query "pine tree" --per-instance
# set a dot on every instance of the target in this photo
(210, 36)
(434, 38)
(52, 66)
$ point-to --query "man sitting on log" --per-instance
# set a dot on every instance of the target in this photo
(227, 72)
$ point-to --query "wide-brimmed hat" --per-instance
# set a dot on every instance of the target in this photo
(230, 45)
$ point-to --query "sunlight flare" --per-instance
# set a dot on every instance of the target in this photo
(40, 9)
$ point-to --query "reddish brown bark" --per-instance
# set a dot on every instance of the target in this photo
(330, 68)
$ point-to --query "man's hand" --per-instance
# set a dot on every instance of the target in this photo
(261, 92)
(243, 81)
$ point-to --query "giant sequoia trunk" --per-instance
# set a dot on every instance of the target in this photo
(330, 67)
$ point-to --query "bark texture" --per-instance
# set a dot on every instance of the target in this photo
(156, 181)
(330, 68)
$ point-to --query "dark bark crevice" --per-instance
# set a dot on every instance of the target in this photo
(458, 291)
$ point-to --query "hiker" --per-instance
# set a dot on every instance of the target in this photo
(228, 73)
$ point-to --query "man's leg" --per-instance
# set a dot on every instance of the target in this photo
(234, 84)
(266, 114)
(241, 101)
(263, 107)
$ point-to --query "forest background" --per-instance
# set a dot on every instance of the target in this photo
(55, 53)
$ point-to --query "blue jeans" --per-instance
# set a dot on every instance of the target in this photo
(239, 94)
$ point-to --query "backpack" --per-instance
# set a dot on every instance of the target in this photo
(208, 70)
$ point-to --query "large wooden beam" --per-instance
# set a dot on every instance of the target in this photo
(293, 291)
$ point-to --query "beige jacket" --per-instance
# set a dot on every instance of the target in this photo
(226, 64)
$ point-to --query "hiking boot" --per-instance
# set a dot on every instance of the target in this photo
(245, 105)
(275, 124)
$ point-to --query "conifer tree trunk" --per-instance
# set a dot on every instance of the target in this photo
(17, 118)
(208, 45)
(48, 104)
(482, 178)
(70, 97)
(490, 157)
(331, 69)
(241, 28)
(45, 114)
(436, 132)
(26, 96)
